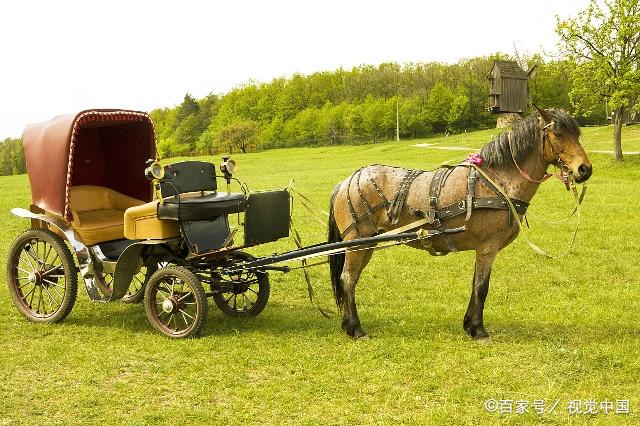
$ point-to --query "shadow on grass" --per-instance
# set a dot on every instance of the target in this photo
(286, 320)
(276, 319)
(424, 327)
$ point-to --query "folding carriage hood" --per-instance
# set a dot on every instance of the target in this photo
(102, 147)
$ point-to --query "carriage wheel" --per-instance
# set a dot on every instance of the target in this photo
(244, 294)
(42, 278)
(175, 302)
(135, 293)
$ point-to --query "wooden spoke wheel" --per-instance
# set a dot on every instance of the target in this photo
(175, 302)
(41, 275)
(242, 294)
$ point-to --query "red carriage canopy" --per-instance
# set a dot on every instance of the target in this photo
(102, 147)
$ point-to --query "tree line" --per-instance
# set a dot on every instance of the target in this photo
(11, 157)
(361, 105)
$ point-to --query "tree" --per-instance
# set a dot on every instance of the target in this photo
(12, 157)
(332, 122)
(604, 42)
(188, 107)
(373, 117)
(459, 112)
(353, 120)
(240, 134)
(413, 116)
(439, 106)
(551, 83)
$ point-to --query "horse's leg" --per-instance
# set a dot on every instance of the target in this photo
(473, 319)
(354, 263)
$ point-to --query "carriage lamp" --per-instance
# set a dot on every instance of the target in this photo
(228, 167)
(154, 170)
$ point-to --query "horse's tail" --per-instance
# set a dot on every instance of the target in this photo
(336, 261)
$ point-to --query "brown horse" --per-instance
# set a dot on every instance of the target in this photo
(379, 198)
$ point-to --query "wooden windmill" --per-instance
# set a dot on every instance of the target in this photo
(508, 88)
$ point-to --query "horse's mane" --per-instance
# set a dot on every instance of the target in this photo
(525, 138)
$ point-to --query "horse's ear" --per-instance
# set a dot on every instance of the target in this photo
(544, 114)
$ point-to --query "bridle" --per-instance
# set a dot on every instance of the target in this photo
(565, 173)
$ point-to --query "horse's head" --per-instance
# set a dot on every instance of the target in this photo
(561, 143)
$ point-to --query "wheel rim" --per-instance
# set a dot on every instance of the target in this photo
(173, 304)
(243, 295)
(40, 280)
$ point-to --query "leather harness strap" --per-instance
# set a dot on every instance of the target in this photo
(437, 182)
(498, 203)
(433, 215)
(471, 192)
(369, 211)
(395, 208)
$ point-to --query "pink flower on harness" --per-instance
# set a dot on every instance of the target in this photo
(475, 159)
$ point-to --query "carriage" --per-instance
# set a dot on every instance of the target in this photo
(138, 231)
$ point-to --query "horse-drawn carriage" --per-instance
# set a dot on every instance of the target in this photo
(139, 230)
(143, 231)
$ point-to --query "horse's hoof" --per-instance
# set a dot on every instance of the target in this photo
(483, 340)
(363, 336)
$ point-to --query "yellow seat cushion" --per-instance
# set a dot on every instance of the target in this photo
(98, 213)
(142, 223)
(100, 225)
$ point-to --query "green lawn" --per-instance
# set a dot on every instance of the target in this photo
(566, 329)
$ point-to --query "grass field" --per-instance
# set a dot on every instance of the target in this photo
(562, 330)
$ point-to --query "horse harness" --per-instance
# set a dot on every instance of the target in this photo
(434, 215)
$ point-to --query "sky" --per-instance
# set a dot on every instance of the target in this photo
(59, 57)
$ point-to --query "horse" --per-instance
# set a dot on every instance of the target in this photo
(379, 198)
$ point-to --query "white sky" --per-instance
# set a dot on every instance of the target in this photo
(61, 56)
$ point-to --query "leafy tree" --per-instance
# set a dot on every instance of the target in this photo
(413, 116)
(188, 132)
(271, 135)
(189, 106)
(459, 112)
(373, 117)
(240, 135)
(332, 122)
(303, 128)
(604, 43)
(550, 84)
(353, 120)
(439, 106)
(12, 157)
